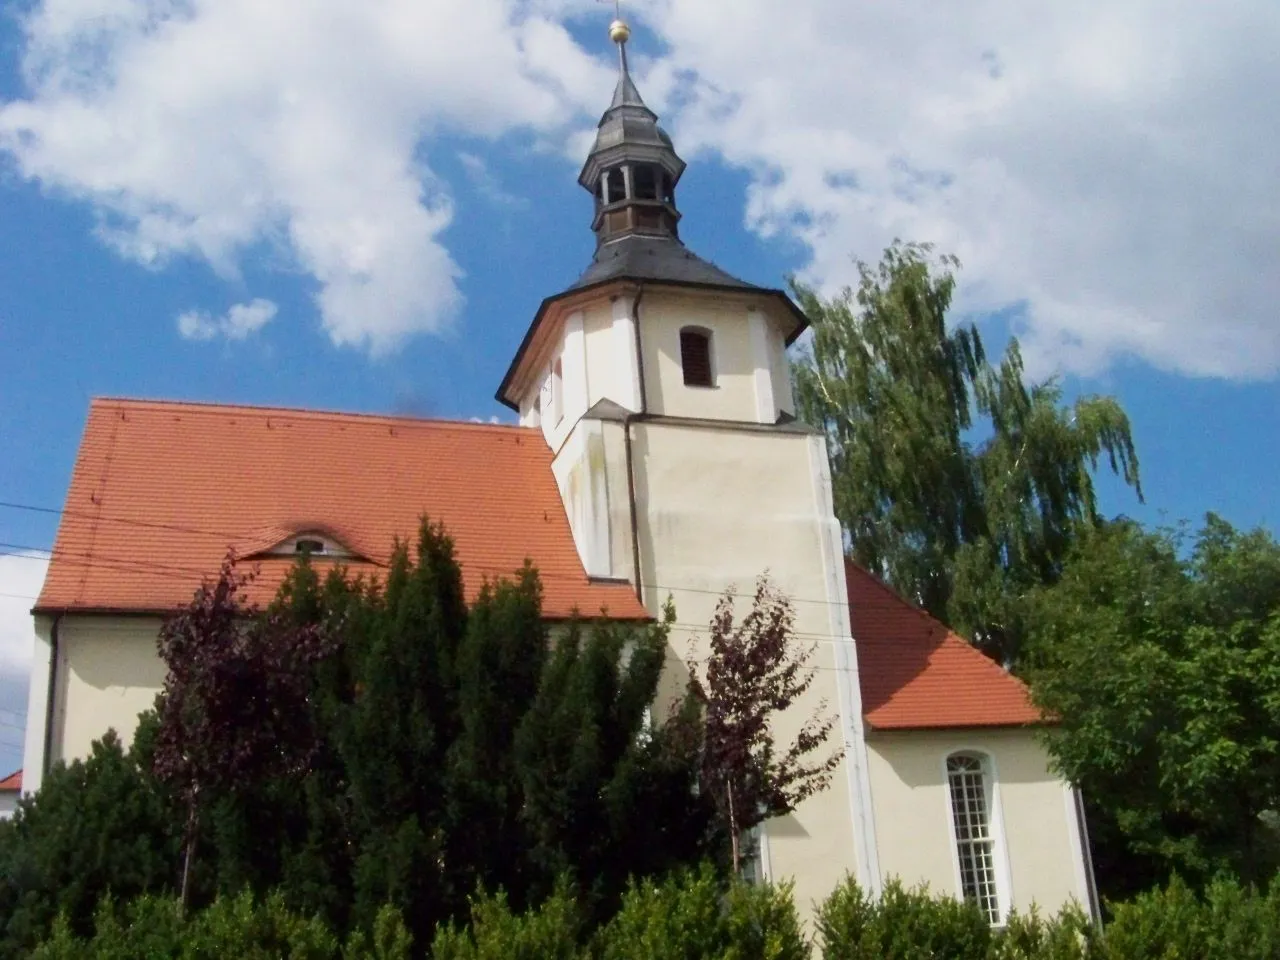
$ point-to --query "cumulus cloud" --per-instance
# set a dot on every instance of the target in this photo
(237, 323)
(1105, 168)
(207, 127)
(487, 184)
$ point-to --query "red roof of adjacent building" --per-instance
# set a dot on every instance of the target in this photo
(161, 490)
(12, 783)
(916, 674)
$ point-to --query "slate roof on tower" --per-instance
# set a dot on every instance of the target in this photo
(916, 674)
(161, 490)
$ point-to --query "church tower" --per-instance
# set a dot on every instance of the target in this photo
(661, 384)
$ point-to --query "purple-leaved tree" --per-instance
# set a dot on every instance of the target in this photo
(234, 709)
(756, 670)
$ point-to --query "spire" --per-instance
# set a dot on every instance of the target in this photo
(633, 168)
(625, 94)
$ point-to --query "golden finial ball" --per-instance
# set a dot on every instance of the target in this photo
(619, 32)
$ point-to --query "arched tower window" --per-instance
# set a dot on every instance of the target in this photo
(970, 782)
(695, 357)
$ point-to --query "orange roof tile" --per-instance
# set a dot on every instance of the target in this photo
(160, 490)
(915, 674)
(12, 783)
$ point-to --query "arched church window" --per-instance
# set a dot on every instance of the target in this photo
(971, 792)
(695, 357)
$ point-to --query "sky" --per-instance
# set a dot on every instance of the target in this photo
(359, 204)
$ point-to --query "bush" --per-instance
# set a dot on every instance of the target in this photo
(1173, 923)
(240, 927)
(901, 925)
(694, 915)
(550, 932)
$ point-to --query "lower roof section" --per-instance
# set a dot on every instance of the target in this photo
(161, 490)
(915, 674)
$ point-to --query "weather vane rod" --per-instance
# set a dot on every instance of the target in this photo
(619, 32)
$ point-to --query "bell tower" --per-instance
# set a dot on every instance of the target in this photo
(662, 387)
(633, 169)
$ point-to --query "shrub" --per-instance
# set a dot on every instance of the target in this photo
(240, 927)
(902, 925)
(691, 915)
(549, 932)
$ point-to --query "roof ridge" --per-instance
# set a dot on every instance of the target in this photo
(312, 413)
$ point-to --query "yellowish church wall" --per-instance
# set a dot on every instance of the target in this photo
(662, 317)
(719, 507)
(912, 813)
(108, 673)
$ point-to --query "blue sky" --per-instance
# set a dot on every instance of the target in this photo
(1141, 260)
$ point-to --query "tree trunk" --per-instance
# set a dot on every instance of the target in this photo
(733, 831)
(188, 854)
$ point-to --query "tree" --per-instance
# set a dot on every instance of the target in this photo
(1163, 668)
(500, 663)
(956, 481)
(756, 671)
(608, 794)
(96, 825)
(395, 731)
(233, 712)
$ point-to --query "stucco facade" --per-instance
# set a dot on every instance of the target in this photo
(1038, 848)
(106, 672)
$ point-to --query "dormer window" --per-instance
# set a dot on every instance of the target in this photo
(695, 357)
(310, 542)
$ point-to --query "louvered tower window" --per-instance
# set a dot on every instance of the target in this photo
(975, 842)
(695, 357)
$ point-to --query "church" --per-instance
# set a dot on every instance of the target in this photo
(657, 455)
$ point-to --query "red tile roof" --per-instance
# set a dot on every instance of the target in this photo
(916, 674)
(12, 783)
(160, 490)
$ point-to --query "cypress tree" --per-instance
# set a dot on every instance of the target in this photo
(499, 665)
(395, 739)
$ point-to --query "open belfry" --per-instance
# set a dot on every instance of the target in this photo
(657, 456)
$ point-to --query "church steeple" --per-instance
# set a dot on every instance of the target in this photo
(633, 169)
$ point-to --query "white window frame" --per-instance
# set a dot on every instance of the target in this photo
(995, 828)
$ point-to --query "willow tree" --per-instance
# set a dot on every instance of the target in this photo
(955, 479)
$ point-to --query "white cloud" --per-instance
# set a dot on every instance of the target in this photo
(237, 323)
(488, 185)
(205, 127)
(1107, 165)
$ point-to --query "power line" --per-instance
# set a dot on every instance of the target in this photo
(128, 521)
(197, 531)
